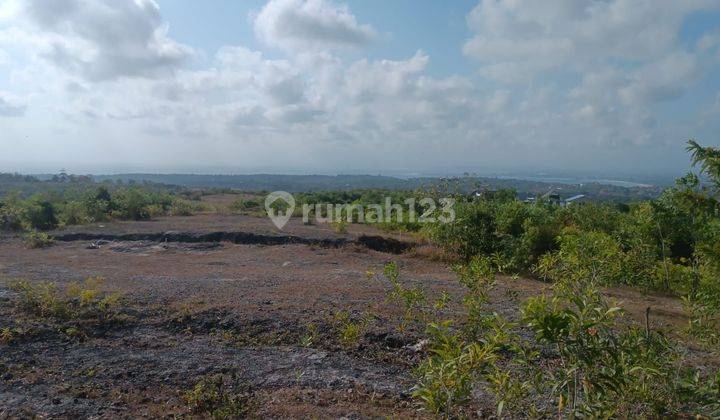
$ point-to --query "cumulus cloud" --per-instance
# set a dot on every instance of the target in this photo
(310, 24)
(555, 80)
(576, 34)
(11, 105)
(598, 64)
(106, 39)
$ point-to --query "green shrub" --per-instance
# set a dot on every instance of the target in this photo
(241, 205)
(340, 226)
(412, 300)
(350, 331)
(219, 397)
(78, 301)
(584, 257)
(310, 336)
(11, 213)
(445, 378)
(182, 207)
(74, 213)
(471, 233)
(592, 217)
(40, 215)
(98, 205)
(608, 368)
(42, 299)
(132, 204)
(36, 239)
(155, 210)
(703, 311)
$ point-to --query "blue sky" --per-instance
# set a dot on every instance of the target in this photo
(405, 26)
(598, 86)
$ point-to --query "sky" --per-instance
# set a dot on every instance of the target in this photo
(363, 86)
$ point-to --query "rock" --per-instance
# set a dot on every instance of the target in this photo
(419, 346)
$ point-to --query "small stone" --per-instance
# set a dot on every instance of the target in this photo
(419, 345)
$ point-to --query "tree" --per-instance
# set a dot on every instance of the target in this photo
(708, 158)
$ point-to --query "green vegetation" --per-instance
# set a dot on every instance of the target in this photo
(87, 203)
(350, 330)
(671, 243)
(584, 359)
(218, 184)
(78, 301)
(36, 239)
(219, 397)
(244, 206)
(310, 336)
(412, 300)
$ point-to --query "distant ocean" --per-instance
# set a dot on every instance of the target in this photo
(616, 182)
(548, 179)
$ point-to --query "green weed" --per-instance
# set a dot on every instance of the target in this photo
(219, 397)
(35, 239)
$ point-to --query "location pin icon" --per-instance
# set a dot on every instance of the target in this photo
(280, 218)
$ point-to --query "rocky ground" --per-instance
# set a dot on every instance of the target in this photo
(264, 314)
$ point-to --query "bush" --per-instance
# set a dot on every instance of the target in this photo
(471, 233)
(98, 205)
(40, 215)
(584, 257)
(524, 233)
(138, 204)
(340, 226)
(36, 239)
(241, 205)
(349, 331)
(132, 204)
(592, 217)
(516, 234)
(10, 217)
(74, 213)
(445, 378)
(79, 301)
(181, 207)
(593, 365)
(219, 397)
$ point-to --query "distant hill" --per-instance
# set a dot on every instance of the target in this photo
(306, 183)
(28, 185)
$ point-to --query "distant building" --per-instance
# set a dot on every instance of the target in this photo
(554, 199)
(484, 194)
(580, 198)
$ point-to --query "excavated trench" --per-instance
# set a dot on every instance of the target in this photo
(376, 243)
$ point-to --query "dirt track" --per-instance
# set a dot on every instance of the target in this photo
(196, 308)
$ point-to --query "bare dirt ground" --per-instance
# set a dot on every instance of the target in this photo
(196, 308)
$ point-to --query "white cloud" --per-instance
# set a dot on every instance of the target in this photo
(310, 24)
(9, 9)
(591, 70)
(555, 80)
(575, 35)
(11, 105)
(106, 39)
